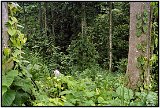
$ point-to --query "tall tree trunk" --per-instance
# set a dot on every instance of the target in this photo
(147, 77)
(5, 36)
(40, 17)
(45, 17)
(83, 23)
(133, 71)
(53, 22)
(110, 36)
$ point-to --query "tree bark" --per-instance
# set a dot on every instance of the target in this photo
(40, 17)
(5, 36)
(133, 72)
(53, 22)
(83, 23)
(110, 36)
(148, 51)
(45, 17)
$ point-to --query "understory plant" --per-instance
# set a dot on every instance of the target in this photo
(16, 80)
(104, 90)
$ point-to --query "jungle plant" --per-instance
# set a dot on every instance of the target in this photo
(16, 82)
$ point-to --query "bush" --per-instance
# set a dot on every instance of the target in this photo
(122, 65)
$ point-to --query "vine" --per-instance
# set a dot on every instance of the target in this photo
(154, 45)
(141, 25)
(15, 84)
(142, 28)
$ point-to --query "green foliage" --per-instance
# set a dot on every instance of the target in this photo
(104, 90)
(142, 25)
(9, 77)
(82, 53)
(147, 99)
(122, 65)
(141, 47)
(80, 59)
(14, 81)
(124, 94)
(154, 46)
(8, 98)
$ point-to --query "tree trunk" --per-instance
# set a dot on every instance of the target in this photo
(135, 73)
(110, 36)
(40, 17)
(5, 36)
(147, 77)
(53, 22)
(83, 23)
(45, 17)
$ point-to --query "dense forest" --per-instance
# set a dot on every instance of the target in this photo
(74, 53)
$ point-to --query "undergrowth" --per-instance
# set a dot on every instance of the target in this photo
(91, 87)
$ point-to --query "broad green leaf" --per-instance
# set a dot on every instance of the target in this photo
(138, 32)
(100, 99)
(124, 92)
(8, 98)
(12, 73)
(24, 83)
(89, 103)
(90, 94)
(18, 98)
(11, 31)
(4, 89)
(8, 79)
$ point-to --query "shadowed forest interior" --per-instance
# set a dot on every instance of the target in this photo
(80, 53)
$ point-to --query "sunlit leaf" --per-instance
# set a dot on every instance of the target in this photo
(156, 42)
(14, 20)
(11, 31)
(4, 89)
(7, 51)
(100, 100)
